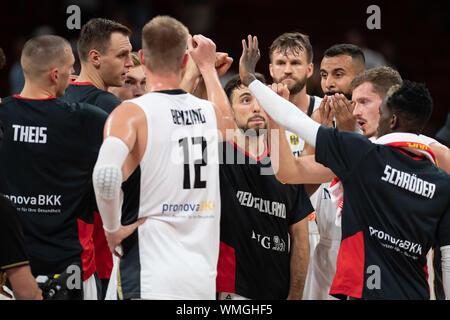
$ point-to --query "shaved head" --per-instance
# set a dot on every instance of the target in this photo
(41, 54)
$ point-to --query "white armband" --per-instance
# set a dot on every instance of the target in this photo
(285, 113)
(107, 180)
(445, 258)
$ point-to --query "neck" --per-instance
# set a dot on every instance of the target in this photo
(89, 74)
(301, 100)
(253, 145)
(158, 82)
(35, 91)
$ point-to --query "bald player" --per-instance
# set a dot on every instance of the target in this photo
(49, 150)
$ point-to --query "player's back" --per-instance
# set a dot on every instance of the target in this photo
(178, 245)
(401, 208)
(49, 150)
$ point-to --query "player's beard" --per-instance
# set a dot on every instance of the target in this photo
(252, 132)
(295, 88)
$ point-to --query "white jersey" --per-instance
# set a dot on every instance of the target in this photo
(322, 265)
(297, 145)
(174, 253)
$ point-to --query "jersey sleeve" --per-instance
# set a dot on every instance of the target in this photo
(13, 253)
(107, 101)
(302, 208)
(341, 150)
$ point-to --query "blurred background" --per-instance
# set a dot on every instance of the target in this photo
(414, 37)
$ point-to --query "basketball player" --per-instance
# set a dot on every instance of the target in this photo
(104, 52)
(50, 147)
(134, 85)
(291, 57)
(259, 214)
(392, 213)
(14, 263)
(170, 137)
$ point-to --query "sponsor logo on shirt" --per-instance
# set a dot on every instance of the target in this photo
(184, 209)
(408, 182)
(272, 208)
(275, 243)
(24, 203)
(390, 242)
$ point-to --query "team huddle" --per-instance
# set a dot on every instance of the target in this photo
(143, 177)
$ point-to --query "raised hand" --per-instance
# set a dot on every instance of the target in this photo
(249, 59)
(325, 113)
(280, 89)
(203, 51)
(223, 63)
(343, 112)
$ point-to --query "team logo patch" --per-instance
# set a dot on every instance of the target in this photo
(294, 140)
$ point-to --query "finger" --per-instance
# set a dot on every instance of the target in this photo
(244, 47)
(190, 43)
(139, 222)
(346, 103)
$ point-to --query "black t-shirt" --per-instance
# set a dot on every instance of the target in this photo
(256, 212)
(396, 207)
(86, 92)
(49, 150)
(13, 253)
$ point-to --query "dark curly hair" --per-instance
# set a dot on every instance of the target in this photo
(413, 101)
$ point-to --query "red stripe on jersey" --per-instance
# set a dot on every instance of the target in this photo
(349, 277)
(86, 83)
(87, 256)
(257, 158)
(25, 98)
(226, 269)
(103, 256)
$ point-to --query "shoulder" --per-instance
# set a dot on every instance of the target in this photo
(106, 100)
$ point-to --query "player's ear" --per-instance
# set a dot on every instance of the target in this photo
(94, 58)
(185, 60)
(54, 75)
(394, 122)
(310, 70)
(270, 70)
(141, 57)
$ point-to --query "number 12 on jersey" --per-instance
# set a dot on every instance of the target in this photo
(187, 144)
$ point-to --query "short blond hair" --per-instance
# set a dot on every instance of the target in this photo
(135, 58)
(42, 53)
(164, 41)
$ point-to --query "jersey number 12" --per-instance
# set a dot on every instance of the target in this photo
(198, 163)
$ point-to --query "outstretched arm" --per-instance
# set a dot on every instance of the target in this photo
(281, 110)
(289, 169)
(203, 51)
